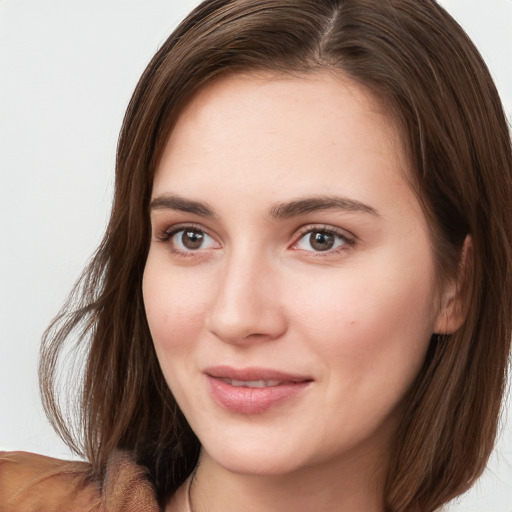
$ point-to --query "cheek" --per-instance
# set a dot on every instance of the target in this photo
(371, 328)
(175, 310)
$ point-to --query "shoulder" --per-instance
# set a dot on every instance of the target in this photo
(35, 482)
(30, 482)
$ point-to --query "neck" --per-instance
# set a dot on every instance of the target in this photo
(347, 485)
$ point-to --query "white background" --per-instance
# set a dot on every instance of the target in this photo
(67, 70)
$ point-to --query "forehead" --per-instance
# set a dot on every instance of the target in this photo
(282, 135)
(316, 105)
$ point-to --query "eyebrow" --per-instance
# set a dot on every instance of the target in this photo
(279, 211)
(315, 204)
(181, 204)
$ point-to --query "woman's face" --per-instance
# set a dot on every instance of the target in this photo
(289, 286)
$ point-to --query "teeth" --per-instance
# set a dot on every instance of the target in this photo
(252, 383)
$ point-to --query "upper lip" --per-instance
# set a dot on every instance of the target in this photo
(254, 373)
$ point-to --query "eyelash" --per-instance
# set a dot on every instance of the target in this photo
(165, 236)
(348, 241)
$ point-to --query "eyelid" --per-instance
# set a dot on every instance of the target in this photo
(165, 235)
(349, 238)
(170, 230)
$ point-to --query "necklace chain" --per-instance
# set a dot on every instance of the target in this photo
(189, 491)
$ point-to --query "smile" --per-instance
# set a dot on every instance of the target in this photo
(253, 390)
(252, 383)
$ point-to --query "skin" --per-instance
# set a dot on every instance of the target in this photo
(356, 319)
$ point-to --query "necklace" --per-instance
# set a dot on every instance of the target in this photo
(189, 491)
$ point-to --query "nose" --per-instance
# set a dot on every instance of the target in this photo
(246, 306)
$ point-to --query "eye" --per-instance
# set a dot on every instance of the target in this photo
(188, 239)
(322, 240)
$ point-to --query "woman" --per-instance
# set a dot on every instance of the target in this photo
(308, 257)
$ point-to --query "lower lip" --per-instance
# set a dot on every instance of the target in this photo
(245, 400)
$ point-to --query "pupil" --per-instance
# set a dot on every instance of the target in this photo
(321, 241)
(192, 239)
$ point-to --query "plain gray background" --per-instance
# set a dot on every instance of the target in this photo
(67, 70)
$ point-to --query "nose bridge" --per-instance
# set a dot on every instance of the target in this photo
(246, 303)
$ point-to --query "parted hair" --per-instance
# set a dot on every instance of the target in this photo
(422, 67)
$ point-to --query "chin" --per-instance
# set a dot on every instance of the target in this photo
(254, 460)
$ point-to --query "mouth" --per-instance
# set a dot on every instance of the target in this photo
(253, 390)
(252, 383)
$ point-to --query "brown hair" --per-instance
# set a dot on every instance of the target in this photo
(422, 66)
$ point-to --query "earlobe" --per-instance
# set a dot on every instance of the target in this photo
(456, 296)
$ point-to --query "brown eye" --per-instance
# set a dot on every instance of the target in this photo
(192, 239)
(322, 240)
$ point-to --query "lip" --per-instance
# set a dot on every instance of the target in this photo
(253, 400)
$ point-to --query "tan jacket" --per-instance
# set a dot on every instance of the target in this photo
(35, 483)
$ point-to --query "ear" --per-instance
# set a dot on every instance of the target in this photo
(454, 302)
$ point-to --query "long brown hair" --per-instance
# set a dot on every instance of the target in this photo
(419, 62)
